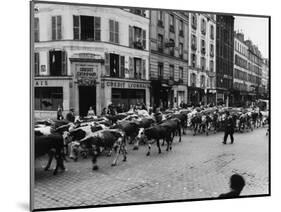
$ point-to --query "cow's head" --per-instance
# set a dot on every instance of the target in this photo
(141, 135)
(67, 138)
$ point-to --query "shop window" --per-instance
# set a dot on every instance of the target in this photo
(87, 28)
(113, 31)
(36, 29)
(48, 98)
(36, 63)
(58, 63)
(137, 37)
(56, 28)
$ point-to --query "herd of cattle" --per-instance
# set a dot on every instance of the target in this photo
(107, 134)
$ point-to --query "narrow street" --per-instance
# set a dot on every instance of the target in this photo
(198, 167)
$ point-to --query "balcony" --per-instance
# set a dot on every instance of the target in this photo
(160, 23)
(138, 45)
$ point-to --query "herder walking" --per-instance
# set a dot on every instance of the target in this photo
(229, 128)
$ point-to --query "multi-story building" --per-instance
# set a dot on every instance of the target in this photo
(89, 56)
(168, 57)
(224, 59)
(247, 71)
(202, 58)
(265, 78)
(255, 70)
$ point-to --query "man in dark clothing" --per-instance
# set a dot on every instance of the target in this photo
(229, 128)
(237, 184)
(70, 116)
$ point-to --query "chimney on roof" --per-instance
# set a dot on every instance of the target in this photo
(240, 36)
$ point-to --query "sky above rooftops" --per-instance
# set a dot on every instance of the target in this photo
(255, 29)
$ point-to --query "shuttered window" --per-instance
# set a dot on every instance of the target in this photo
(56, 28)
(58, 63)
(107, 64)
(36, 29)
(87, 28)
(137, 38)
(113, 31)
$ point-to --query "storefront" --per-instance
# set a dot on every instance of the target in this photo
(161, 94)
(180, 94)
(195, 95)
(126, 93)
(49, 94)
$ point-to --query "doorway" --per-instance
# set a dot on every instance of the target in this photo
(87, 99)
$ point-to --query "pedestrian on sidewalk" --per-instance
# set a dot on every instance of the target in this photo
(59, 113)
(228, 128)
(237, 184)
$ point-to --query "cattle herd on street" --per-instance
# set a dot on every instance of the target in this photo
(114, 134)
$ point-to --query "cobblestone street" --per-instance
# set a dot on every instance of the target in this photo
(198, 167)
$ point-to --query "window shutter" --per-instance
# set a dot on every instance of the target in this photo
(64, 63)
(131, 67)
(107, 64)
(143, 70)
(76, 27)
(144, 39)
(131, 36)
(36, 63)
(97, 28)
(122, 66)
(59, 28)
(36, 29)
(53, 28)
(116, 32)
(111, 30)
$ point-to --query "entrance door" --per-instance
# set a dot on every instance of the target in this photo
(87, 99)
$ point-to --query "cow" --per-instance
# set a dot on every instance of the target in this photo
(183, 119)
(173, 125)
(106, 139)
(52, 145)
(155, 133)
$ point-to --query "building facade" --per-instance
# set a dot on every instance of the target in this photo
(168, 58)
(224, 59)
(89, 56)
(265, 79)
(247, 72)
(202, 58)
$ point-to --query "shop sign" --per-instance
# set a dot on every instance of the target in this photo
(41, 83)
(130, 85)
(86, 75)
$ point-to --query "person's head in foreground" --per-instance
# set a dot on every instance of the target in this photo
(237, 184)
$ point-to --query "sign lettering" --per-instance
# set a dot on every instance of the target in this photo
(131, 85)
(41, 83)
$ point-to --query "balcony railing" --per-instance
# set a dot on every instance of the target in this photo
(138, 45)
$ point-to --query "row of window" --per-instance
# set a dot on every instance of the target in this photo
(114, 65)
(203, 26)
(202, 63)
(240, 86)
(170, 45)
(88, 28)
(238, 74)
(240, 48)
(203, 45)
(239, 61)
(193, 80)
(171, 75)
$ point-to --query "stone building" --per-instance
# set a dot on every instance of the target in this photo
(89, 56)
(202, 58)
(168, 57)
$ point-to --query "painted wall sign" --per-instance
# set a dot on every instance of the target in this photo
(86, 74)
(130, 85)
(41, 83)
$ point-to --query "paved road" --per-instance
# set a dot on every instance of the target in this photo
(198, 167)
